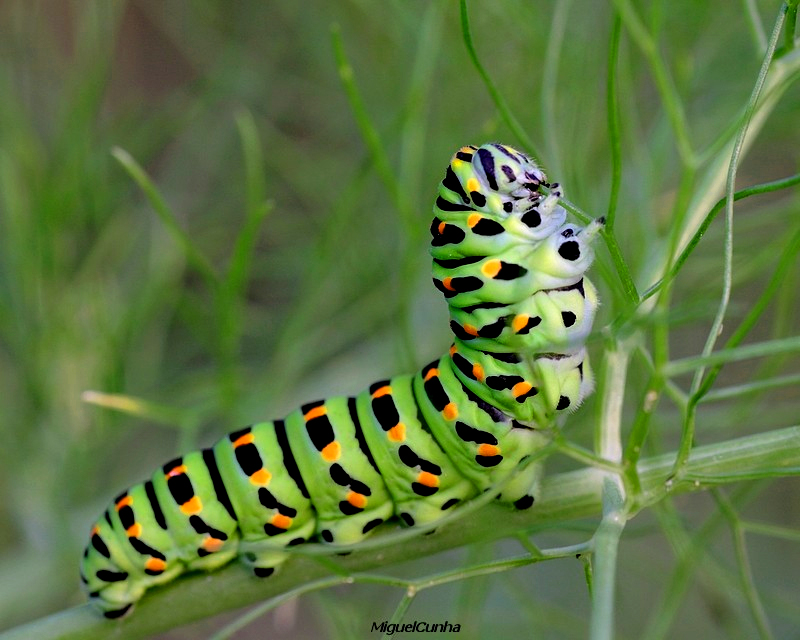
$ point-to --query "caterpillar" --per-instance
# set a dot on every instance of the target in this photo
(413, 446)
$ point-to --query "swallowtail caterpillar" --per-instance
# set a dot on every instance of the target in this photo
(412, 447)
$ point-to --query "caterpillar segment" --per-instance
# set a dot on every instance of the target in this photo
(422, 479)
(410, 448)
(267, 493)
(345, 485)
(548, 321)
(179, 520)
(534, 390)
(485, 443)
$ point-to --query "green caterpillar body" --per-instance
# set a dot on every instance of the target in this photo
(413, 446)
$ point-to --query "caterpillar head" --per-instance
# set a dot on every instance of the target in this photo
(507, 171)
(494, 179)
(506, 183)
(493, 197)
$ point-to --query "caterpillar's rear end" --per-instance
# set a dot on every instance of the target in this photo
(411, 447)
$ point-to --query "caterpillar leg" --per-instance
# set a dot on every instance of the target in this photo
(262, 557)
(523, 489)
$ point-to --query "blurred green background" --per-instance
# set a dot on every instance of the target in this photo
(97, 294)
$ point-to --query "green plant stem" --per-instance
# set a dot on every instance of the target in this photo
(511, 122)
(402, 607)
(710, 187)
(399, 195)
(785, 262)
(606, 547)
(768, 187)
(745, 569)
(370, 134)
(565, 496)
(167, 217)
(791, 26)
(614, 124)
(759, 386)
(664, 83)
(550, 84)
(624, 273)
(608, 443)
(689, 549)
(724, 356)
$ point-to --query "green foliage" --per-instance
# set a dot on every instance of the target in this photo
(202, 226)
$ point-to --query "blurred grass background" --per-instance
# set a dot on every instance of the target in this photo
(95, 293)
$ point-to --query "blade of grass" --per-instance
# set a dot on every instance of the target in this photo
(167, 217)
(139, 408)
(663, 80)
(743, 562)
(550, 81)
(755, 350)
(614, 123)
(767, 187)
(759, 386)
(502, 106)
(368, 131)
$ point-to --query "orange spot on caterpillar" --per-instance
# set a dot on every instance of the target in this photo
(316, 412)
(212, 544)
(453, 350)
(397, 433)
(357, 500)
(473, 185)
(491, 268)
(428, 479)
(156, 565)
(281, 521)
(383, 391)
(447, 283)
(431, 374)
(468, 328)
(247, 438)
(474, 218)
(477, 371)
(488, 450)
(521, 388)
(127, 501)
(261, 477)
(441, 227)
(176, 471)
(450, 412)
(134, 531)
(519, 322)
(192, 506)
(95, 531)
(331, 452)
